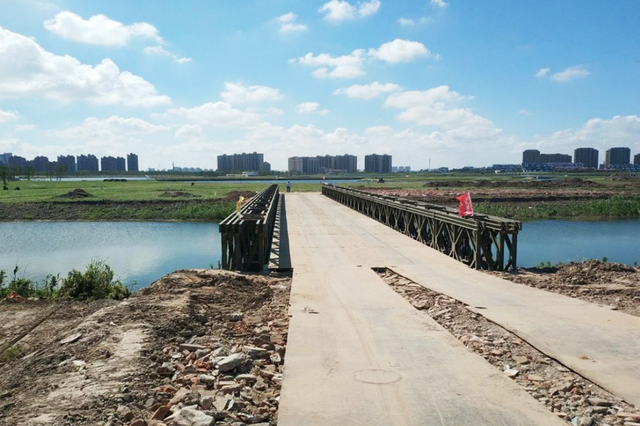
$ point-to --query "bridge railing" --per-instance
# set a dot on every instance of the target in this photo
(480, 241)
(246, 235)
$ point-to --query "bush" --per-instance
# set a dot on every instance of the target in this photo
(95, 283)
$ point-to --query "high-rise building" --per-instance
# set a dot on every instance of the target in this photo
(252, 162)
(41, 164)
(87, 163)
(636, 160)
(111, 164)
(16, 161)
(68, 162)
(132, 162)
(555, 158)
(375, 163)
(295, 164)
(4, 158)
(617, 157)
(531, 156)
(587, 156)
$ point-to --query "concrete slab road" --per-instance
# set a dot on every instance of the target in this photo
(359, 354)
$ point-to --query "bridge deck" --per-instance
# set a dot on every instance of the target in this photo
(359, 354)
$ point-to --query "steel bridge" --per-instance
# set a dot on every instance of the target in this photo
(247, 234)
(480, 241)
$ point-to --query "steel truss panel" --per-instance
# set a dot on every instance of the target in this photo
(480, 241)
(246, 236)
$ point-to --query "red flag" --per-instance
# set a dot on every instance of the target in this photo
(465, 209)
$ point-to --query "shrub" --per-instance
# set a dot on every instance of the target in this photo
(95, 283)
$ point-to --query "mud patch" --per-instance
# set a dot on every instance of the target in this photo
(563, 392)
(178, 194)
(75, 194)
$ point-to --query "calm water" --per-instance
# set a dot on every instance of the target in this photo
(565, 241)
(139, 252)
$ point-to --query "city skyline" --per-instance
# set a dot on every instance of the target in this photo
(457, 83)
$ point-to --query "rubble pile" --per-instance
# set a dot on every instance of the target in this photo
(563, 392)
(614, 285)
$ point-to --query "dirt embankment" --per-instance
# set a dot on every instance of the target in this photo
(196, 344)
(611, 284)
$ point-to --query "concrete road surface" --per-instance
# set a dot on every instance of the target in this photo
(359, 354)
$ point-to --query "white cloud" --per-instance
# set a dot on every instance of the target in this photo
(216, 114)
(24, 127)
(28, 70)
(337, 10)
(400, 50)
(8, 116)
(570, 73)
(311, 107)
(99, 29)
(351, 66)
(439, 3)
(160, 50)
(274, 111)
(287, 24)
(524, 112)
(114, 125)
(406, 22)
(367, 91)
(346, 66)
(190, 131)
(367, 8)
(440, 107)
(237, 93)
(542, 72)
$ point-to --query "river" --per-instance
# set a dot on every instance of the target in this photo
(141, 252)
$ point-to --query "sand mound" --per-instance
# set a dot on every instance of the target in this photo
(76, 193)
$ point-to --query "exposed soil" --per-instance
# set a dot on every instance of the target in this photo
(611, 284)
(529, 184)
(76, 193)
(563, 392)
(178, 194)
(61, 210)
(195, 343)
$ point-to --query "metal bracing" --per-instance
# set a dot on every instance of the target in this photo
(481, 241)
(246, 236)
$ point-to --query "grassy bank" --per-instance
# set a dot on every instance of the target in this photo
(613, 208)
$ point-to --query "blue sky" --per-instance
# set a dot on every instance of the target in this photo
(451, 81)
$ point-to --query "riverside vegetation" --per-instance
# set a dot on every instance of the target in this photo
(96, 282)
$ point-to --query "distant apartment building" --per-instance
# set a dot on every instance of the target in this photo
(555, 158)
(18, 162)
(132, 163)
(67, 162)
(4, 158)
(324, 164)
(530, 156)
(375, 163)
(507, 167)
(588, 157)
(303, 165)
(241, 162)
(617, 158)
(401, 169)
(40, 164)
(87, 163)
(636, 160)
(111, 164)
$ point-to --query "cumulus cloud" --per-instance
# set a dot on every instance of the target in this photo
(351, 65)
(99, 30)
(28, 70)
(114, 125)
(367, 91)
(337, 10)
(237, 93)
(406, 22)
(439, 3)
(400, 50)
(542, 72)
(440, 107)
(288, 25)
(190, 131)
(311, 107)
(571, 73)
(8, 116)
(524, 112)
(160, 50)
(216, 114)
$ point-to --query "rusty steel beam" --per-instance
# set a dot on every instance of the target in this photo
(480, 241)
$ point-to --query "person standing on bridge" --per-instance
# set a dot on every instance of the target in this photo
(289, 186)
